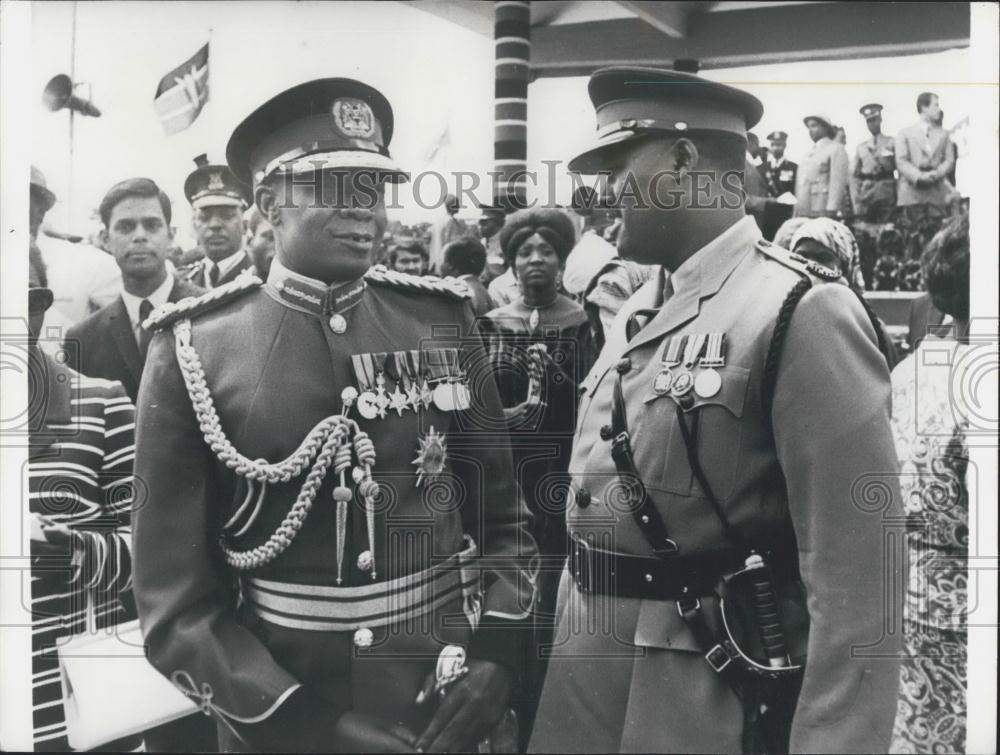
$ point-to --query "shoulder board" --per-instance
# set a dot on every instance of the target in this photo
(798, 263)
(166, 315)
(450, 288)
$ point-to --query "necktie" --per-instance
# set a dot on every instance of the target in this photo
(145, 336)
(213, 275)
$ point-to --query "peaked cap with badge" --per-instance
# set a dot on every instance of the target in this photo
(315, 450)
(722, 444)
(633, 102)
(325, 123)
(211, 185)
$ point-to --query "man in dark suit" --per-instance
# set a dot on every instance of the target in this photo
(217, 202)
(111, 343)
(465, 259)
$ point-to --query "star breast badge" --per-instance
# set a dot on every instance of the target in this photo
(431, 455)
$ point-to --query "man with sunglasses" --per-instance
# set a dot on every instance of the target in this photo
(326, 451)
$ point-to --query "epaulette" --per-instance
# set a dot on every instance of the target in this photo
(451, 288)
(796, 262)
(166, 315)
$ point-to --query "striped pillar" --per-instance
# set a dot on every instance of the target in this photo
(512, 37)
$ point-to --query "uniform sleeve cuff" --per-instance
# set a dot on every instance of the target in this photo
(500, 641)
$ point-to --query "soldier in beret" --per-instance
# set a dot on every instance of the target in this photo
(873, 171)
(217, 201)
(332, 554)
(709, 462)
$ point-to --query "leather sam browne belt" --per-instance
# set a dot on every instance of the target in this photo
(651, 578)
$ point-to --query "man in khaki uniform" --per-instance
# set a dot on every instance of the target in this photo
(873, 171)
(787, 453)
(821, 183)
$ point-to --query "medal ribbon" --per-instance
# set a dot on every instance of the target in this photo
(695, 345)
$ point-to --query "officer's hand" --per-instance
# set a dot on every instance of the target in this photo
(357, 732)
(469, 710)
(56, 539)
(514, 414)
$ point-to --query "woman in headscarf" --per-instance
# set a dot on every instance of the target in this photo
(831, 244)
(540, 350)
(930, 423)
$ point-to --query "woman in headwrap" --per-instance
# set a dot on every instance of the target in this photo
(831, 244)
(540, 350)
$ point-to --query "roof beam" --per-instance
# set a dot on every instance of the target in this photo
(756, 36)
(667, 18)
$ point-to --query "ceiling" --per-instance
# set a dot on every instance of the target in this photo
(573, 37)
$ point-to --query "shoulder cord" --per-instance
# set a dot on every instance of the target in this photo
(321, 443)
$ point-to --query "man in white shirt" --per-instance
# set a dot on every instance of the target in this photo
(217, 200)
(111, 343)
(82, 278)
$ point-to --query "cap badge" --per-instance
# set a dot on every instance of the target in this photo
(215, 181)
(353, 118)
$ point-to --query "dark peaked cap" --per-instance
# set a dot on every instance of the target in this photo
(632, 102)
(325, 123)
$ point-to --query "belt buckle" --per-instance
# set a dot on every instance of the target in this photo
(718, 658)
(582, 564)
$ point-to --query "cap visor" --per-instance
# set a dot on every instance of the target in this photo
(46, 196)
(598, 158)
(349, 159)
(217, 200)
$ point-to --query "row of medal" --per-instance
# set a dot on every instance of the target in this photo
(678, 376)
(411, 380)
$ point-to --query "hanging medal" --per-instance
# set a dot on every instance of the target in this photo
(426, 394)
(364, 373)
(382, 399)
(411, 362)
(397, 399)
(664, 379)
(709, 382)
(463, 397)
(437, 370)
(684, 381)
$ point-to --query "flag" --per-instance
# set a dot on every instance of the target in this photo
(183, 92)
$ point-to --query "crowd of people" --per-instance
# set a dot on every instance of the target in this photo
(894, 193)
(585, 413)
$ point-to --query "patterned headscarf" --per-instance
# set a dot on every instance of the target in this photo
(838, 238)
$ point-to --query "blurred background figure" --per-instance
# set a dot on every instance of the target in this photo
(465, 259)
(260, 241)
(873, 176)
(539, 347)
(409, 256)
(592, 251)
(446, 230)
(82, 278)
(821, 182)
(925, 157)
(840, 135)
(930, 420)
(80, 454)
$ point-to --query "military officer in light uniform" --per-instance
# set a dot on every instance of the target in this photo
(217, 201)
(821, 184)
(629, 672)
(330, 535)
(873, 170)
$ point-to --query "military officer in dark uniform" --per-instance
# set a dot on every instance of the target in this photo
(873, 171)
(778, 170)
(700, 453)
(217, 202)
(331, 554)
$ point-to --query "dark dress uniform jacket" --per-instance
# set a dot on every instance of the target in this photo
(275, 368)
(647, 686)
(780, 178)
(104, 345)
(197, 273)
